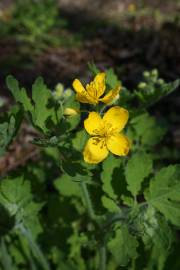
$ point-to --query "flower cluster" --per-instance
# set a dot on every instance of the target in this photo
(106, 131)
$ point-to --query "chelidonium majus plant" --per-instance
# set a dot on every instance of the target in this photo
(98, 195)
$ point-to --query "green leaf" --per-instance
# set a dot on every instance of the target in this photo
(39, 107)
(30, 217)
(41, 95)
(20, 95)
(16, 197)
(93, 68)
(111, 78)
(106, 176)
(146, 130)
(80, 139)
(14, 193)
(164, 193)
(76, 242)
(109, 204)
(68, 185)
(9, 128)
(138, 167)
(157, 237)
(123, 246)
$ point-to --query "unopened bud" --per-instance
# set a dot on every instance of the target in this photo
(71, 112)
(154, 72)
(67, 93)
(142, 85)
(146, 74)
(160, 81)
(59, 90)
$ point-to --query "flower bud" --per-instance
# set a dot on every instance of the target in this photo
(154, 72)
(59, 91)
(142, 85)
(67, 93)
(160, 81)
(71, 112)
(146, 74)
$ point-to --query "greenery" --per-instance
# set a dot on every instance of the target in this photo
(35, 25)
(60, 212)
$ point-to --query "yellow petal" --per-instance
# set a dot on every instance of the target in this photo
(78, 87)
(97, 87)
(85, 98)
(93, 124)
(99, 82)
(118, 144)
(95, 150)
(111, 95)
(116, 118)
(82, 95)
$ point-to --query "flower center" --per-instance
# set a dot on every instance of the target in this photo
(93, 90)
(99, 140)
(104, 133)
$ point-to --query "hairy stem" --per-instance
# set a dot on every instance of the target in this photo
(5, 258)
(34, 247)
(102, 258)
(87, 200)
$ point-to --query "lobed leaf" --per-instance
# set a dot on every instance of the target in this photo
(137, 169)
(123, 246)
(164, 193)
(41, 96)
(19, 95)
(68, 185)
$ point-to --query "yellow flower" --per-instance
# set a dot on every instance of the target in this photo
(106, 135)
(93, 91)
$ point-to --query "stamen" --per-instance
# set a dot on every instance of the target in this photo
(97, 140)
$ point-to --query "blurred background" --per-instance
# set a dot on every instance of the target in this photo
(58, 39)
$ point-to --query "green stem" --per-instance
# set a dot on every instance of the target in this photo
(34, 247)
(103, 109)
(5, 258)
(87, 200)
(62, 109)
(102, 258)
(92, 215)
(133, 264)
(27, 254)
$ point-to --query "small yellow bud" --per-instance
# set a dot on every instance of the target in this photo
(71, 112)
